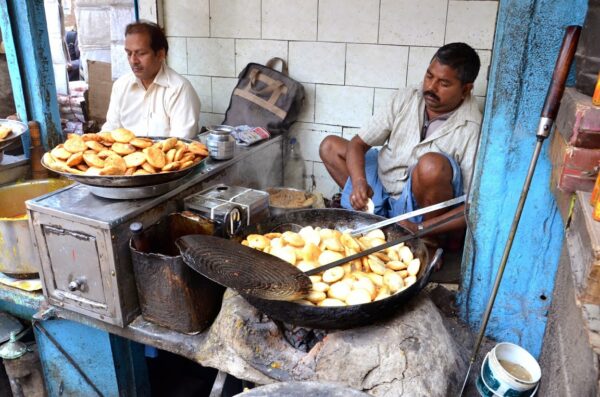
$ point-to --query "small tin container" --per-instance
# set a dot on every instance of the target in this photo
(221, 144)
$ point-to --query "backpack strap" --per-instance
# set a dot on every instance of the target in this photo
(273, 61)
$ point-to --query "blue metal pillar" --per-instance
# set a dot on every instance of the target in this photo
(113, 366)
(25, 36)
(527, 41)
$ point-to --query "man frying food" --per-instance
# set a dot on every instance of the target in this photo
(428, 136)
(152, 100)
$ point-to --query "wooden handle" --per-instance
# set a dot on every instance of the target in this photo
(561, 70)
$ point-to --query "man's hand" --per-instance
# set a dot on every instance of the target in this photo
(361, 192)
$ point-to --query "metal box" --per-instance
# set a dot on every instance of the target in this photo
(221, 203)
(85, 260)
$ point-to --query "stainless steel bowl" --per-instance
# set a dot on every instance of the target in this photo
(17, 254)
(129, 180)
(18, 128)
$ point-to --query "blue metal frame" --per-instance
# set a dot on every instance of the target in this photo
(528, 37)
(25, 34)
(104, 358)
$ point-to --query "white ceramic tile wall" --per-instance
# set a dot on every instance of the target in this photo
(343, 105)
(187, 19)
(418, 61)
(376, 65)
(481, 82)
(312, 62)
(235, 18)
(462, 26)
(258, 51)
(349, 132)
(308, 110)
(221, 93)
(413, 22)
(350, 55)
(382, 96)
(310, 135)
(211, 57)
(289, 19)
(210, 119)
(324, 183)
(177, 55)
(350, 21)
(202, 85)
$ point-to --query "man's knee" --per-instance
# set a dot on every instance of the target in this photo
(330, 147)
(432, 169)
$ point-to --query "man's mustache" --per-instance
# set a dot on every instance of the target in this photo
(431, 95)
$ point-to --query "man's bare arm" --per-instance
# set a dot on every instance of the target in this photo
(355, 161)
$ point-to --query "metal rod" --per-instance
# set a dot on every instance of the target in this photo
(408, 215)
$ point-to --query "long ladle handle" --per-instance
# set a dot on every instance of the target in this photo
(559, 77)
(408, 215)
(383, 246)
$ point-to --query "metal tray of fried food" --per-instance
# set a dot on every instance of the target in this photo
(18, 128)
(118, 181)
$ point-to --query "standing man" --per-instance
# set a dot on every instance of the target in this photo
(428, 135)
(152, 100)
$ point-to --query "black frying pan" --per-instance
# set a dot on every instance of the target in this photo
(346, 316)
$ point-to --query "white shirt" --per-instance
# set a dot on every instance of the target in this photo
(169, 107)
(397, 127)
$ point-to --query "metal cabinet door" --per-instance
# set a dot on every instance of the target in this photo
(76, 266)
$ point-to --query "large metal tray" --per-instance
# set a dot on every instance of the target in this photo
(18, 128)
(130, 180)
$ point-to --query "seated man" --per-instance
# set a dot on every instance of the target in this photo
(153, 100)
(429, 136)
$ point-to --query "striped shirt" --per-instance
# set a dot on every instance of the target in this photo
(397, 127)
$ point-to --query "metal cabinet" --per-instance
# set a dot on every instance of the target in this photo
(80, 271)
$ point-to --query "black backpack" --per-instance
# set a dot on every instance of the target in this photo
(265, 98)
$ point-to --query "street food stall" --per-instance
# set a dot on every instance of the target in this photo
(105, 262)
(97, 311)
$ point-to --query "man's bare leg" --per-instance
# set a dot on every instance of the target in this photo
(432, 184)
(333, 153)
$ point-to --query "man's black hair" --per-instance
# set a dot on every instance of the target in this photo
(158, 40)
(460, 57)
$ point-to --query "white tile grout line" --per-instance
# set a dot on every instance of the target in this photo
(446, 23)
(209, 21)
(318, 4)
(260, 19)
(378, 21)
